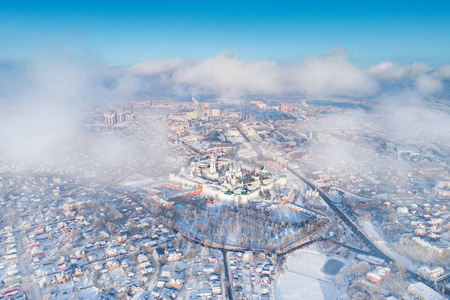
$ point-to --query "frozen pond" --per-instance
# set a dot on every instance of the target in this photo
(332, 266)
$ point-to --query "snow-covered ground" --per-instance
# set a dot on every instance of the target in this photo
(304, 279)
(373, 234)
(89, 293)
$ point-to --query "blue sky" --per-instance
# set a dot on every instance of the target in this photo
(128, 32)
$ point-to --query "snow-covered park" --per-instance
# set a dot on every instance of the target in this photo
(305, 277)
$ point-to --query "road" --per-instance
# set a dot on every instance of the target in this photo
(31, 287)
(255, 148)
(226, 266)
(374, 250)
(360, 234)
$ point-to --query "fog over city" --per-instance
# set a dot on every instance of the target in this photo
(43, 99)
(228, 151)
(224, 178)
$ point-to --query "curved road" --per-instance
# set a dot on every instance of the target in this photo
(373, 249)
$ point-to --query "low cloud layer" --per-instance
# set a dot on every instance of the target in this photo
(226, 75)
(47, 105)
(331, 73)
(42, 101)
(388, 71)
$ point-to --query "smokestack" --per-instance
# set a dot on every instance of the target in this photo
(195, 100)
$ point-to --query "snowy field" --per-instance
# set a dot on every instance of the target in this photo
(283, 213)
(304, 278)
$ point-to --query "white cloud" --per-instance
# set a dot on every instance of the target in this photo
(43, 98)
(151, 67)
(415, 75)
(388, 71)
(444, 72)
(328, 74)
(428, 84)
(226, 74)
(409, 116)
